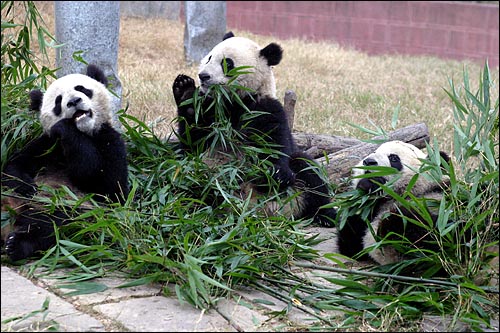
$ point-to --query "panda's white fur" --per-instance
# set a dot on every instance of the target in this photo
(89, 120)
(242, 51)
(407, 159)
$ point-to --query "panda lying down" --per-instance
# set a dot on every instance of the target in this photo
(387, 217)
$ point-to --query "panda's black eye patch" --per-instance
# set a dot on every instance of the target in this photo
(57, 107)
(84, 90)
(229, 65)
(395, 162)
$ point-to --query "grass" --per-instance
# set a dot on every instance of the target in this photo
(169, 232)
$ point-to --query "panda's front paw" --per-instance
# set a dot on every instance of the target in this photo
(18, 246)
(326, 217)
(183, 88)
(284, 176)
(62, 128)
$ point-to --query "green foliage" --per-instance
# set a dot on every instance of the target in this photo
(20, 73)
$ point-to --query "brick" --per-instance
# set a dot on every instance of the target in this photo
(494, 47)
(456, 41)
(286, 26)
(233, 20)
(476, 42)
(266, 24)
(473, 17)
(441, 13)
(306, 25)
(236, 6)
(379, 33)
(361, 30)
(493, 20)
(344, 9)
(399, 11)
(323, 8)
(340, 29)
(371, 9)
(267, 6)
(248, 22)
(418, 11)
(398, 35)
(435, 38)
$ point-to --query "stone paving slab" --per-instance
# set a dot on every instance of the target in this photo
(21, 297)
(136, 309)
(161, 314)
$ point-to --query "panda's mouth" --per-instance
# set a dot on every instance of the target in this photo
(79, 114)
(204, 88)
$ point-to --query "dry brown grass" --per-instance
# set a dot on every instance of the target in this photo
(335, 86)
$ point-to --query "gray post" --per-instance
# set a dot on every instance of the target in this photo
(205, 26)
(92, 27)
(169, 10)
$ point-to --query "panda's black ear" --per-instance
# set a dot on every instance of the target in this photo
(272, 53)
(228, 34)
(444, 156)
(36, 97)
(97, 74)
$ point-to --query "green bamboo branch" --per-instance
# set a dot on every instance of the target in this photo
(289, 300)
(394, 277)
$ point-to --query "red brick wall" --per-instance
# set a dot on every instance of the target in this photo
(456, 30)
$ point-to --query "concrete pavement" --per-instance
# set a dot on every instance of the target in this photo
(136, 309)
(40, 305)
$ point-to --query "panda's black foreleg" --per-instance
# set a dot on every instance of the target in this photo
(78, 148)
(314, 189)
(183, 88)
(350, 237)
(394, 227)
(33, 233)
(23, 166)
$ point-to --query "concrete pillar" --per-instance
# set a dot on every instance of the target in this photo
(205, 27)
(169, 10)
(92, 27)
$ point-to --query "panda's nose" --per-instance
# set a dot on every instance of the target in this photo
(204, 77)
(74, 102)
(369, 162)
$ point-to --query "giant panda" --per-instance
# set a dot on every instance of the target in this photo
(291, 168)
(81, 147)
(386, 216)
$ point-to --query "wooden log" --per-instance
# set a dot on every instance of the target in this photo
(338, 165)
(317, 145)
(289, 106)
